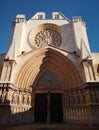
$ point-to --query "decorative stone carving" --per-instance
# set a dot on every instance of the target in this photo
(25, 99)
(15, 97)
(20, 98)
(9, 96)
(48, 37)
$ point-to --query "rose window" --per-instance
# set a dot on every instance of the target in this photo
(48, 37)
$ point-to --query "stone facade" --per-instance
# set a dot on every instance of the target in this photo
(49, 73)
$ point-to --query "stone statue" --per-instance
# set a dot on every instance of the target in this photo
(25, 99)
(15, 98)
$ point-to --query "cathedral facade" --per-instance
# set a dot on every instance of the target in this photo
(49, 74)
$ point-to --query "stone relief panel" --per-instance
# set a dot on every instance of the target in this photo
(20, 98)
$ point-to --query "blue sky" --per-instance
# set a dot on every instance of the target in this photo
(88, 9)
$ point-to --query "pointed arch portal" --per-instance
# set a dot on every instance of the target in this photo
(48, 101)
(48, 58)
(49, 72)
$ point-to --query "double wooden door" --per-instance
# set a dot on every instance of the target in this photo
(48, 108)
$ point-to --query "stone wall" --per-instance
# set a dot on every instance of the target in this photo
(80, 105)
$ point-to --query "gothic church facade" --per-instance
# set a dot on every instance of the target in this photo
(49, 73)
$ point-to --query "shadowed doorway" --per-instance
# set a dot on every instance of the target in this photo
(40, 111)
(48, 106)
(56, 110)
(51, 108)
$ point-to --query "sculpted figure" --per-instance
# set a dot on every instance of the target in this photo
(25, 99)
(20, 98)
(15, 98)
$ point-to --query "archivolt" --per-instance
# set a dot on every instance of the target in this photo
(48, 59)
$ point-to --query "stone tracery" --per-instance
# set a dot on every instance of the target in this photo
(48, 37)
